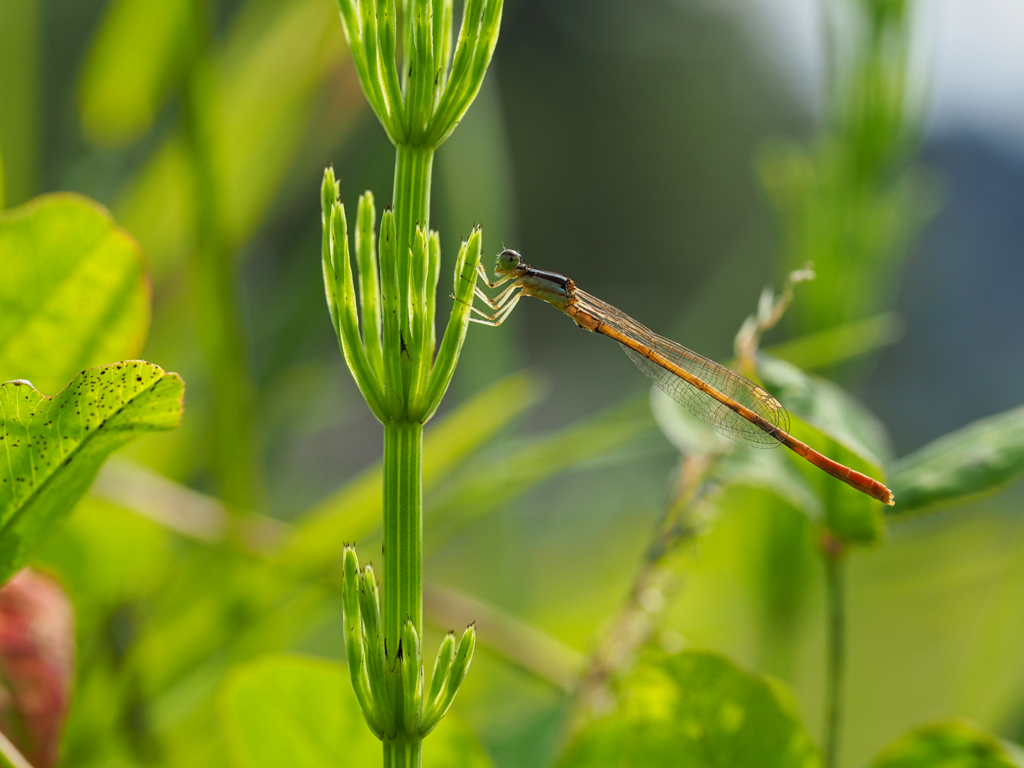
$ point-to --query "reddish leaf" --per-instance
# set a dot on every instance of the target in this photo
(37, 644)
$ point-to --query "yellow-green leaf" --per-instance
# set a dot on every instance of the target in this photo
(830, 420)
(698, 710)
(52, 447)
(73, 291)
(980, 458)
(950, 745)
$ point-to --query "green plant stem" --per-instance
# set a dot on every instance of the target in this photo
(403, 752)
(403, 559)
(413, 170)
(835, 595)
(403, 531)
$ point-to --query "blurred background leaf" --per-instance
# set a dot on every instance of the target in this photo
(74, 292)
(20, 33)
(978, 459)
(949, 745)
(696, 709)
(133, 61)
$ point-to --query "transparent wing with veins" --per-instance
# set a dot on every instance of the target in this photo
(702, 405)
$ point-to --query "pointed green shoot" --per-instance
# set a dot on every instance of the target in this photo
(420, 71)
(354, 646)
(386, 28)
(390, 118)
(418, 314)
(441, 18)
(395, 694)
(442, 667)
(476, 46)
(455, 333)
(412, 679)
(369, 283)
(469, 29)
(433, 275)
(373, 641)
(459, 668)
(366, 65)
(393, 314)
(328, 195)
(341, 297)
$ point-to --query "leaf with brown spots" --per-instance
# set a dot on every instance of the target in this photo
(52, 447)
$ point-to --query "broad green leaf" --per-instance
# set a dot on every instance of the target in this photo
(52, 447)
(697, 710)
(978, 459)
(300, 712)
(950, 745)
(356, 509)
(827, 407)
(829, 420)
(135, 57)
(73, 291)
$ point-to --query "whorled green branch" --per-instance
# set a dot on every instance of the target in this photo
(391, 689)
(391, 351)
(420, 103)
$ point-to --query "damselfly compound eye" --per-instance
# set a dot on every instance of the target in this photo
(508, 260)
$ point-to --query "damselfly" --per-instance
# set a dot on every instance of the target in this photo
(731, 404)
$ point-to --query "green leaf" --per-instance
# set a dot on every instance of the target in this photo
(697, 710)
(978, 459)
(73, 291)
(950, 745)
(828, 419)
(52, 447)
(827, 407)
(299, 712)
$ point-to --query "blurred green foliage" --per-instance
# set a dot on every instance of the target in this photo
(850, 202)
(75, 292)
(206, 136)
(696, 709)
(947, 745)
(286, 709)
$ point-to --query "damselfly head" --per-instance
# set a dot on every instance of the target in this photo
(508, 261)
